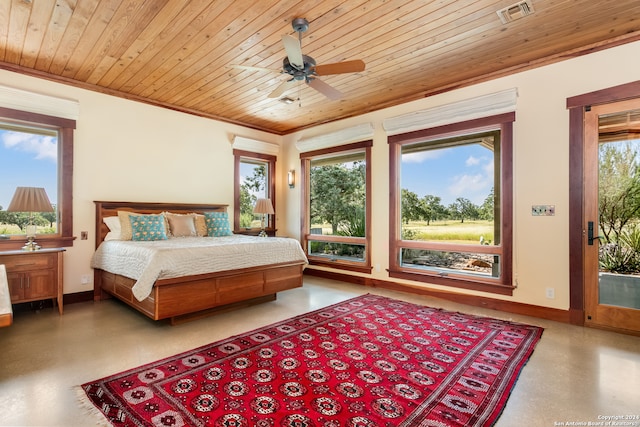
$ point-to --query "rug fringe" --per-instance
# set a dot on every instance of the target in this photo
(90, 408)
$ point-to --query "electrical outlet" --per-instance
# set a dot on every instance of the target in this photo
(85, 279)
(543, 210)
(551, 293)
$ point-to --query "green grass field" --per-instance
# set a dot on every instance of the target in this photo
(468, 232)
(7, 229)
(10, 229)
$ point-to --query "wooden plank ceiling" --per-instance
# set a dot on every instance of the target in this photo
(178, 53)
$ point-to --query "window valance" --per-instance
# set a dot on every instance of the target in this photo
(254, 145)
(22, 100)
(339, 137)
(474, 108)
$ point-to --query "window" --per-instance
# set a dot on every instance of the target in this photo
(36, 151)
(452, 205)
(253, 180)
(336, 206)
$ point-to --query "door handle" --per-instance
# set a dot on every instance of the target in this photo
(590, 236)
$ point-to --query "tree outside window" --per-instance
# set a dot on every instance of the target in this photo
(36, 151)
(452, 209)
(337, 206)
(28, 158)
(253, 180)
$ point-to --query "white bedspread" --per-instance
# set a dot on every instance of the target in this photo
(147, 261)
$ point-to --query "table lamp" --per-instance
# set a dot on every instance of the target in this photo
(263, 207)
(31, 200)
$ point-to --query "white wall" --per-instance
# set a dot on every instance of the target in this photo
(131, 151)
(541, 165)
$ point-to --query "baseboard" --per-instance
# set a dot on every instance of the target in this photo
(477, 301)
(77, 297)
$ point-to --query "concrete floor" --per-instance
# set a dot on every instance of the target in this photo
(575, 375)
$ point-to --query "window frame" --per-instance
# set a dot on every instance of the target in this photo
(501, 285)
(270, 185)
(65, 129)
(305, 220)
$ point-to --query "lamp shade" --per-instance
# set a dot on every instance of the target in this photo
(30, 199)
(263, 206)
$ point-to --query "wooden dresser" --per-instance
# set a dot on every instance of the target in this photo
(34, 275)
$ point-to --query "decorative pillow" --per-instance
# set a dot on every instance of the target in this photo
(113, 222)
(201, 225)
(217, 224)
(148, 227)
(125, 224)
(181, 225)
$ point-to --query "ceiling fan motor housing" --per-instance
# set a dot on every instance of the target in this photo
(308, 62)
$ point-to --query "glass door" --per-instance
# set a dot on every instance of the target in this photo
(611, 222)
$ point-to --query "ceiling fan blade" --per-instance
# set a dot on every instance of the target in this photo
(294, 51)
(248, 68)
(340, 67)
(282, 88)
(325, 89)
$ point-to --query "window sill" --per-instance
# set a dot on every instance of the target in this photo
(255, 231)
(341, 265)
(456, 282)
(15, 243)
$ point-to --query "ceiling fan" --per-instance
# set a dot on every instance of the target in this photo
(304, 68)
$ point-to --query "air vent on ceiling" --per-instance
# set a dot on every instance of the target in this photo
(286, 100)
(515, 11)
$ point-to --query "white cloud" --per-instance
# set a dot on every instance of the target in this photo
(464, 184)
(473, 187)
(43, 147)
(472, 161)
(488, 168)
(421, 156)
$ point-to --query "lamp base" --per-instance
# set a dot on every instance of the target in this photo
(31, 245)
(262, 233)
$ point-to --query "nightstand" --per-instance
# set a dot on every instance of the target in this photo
(34, 275)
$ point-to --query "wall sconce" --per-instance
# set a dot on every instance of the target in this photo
(291, 178)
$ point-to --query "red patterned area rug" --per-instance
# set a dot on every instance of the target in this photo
(368, 361)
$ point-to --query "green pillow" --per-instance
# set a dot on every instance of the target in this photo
(217, 224)
(148, 227)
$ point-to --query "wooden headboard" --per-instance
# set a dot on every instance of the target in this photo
(105, 209)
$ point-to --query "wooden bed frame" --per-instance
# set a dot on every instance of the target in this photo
(190, 297)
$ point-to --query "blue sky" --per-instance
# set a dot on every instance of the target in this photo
(247, 170)
(463, 171)
(27, 160)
